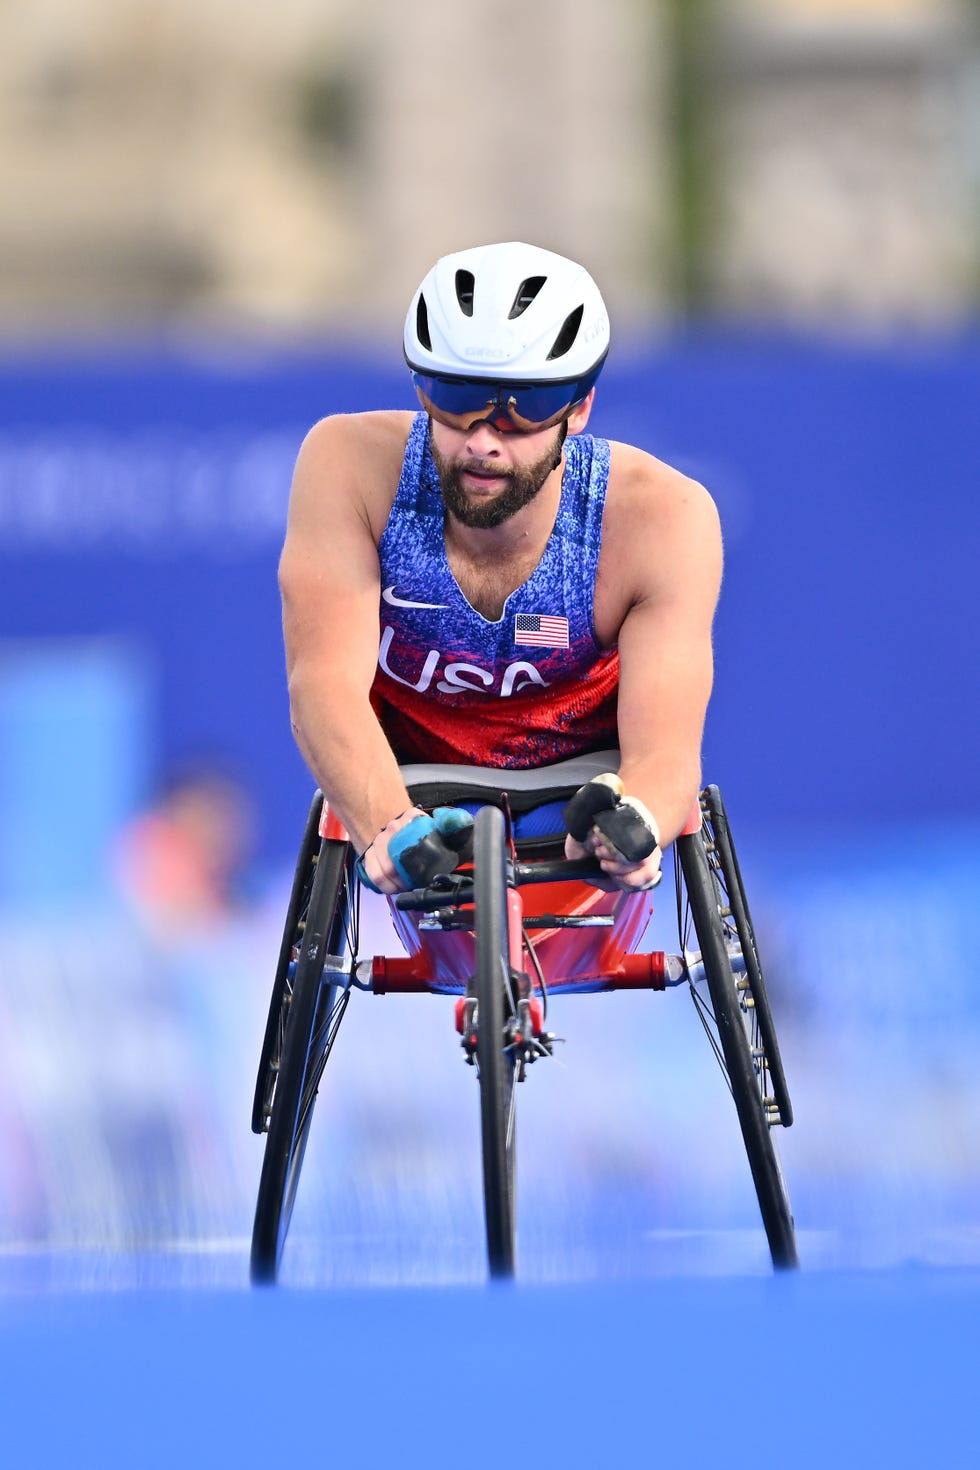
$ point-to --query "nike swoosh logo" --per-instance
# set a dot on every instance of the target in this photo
(389, 596)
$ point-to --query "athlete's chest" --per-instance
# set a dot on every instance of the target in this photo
(487, 581)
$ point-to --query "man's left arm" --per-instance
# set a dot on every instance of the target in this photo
(672, 565)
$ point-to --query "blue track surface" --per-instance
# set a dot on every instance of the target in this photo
(819, 1371)
(645, 1324)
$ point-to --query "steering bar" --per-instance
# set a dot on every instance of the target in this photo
(453, 890)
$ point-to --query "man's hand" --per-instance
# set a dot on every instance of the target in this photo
(603, 822)
(414, 848)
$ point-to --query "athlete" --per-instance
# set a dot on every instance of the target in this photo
(485, 583)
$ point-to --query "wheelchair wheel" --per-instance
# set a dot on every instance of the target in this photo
(732, 1014)
(495, 1060)
(315, 993)
(730, 877)
(299, 902)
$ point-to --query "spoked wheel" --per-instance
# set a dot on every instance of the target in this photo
(730, 877)
(495, 1059)
(299, 902)
(736, 1012)
(315, 991)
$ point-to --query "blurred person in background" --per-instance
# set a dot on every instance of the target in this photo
(542, 593)
(182, 862)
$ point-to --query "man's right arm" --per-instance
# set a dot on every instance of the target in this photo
(330, 583)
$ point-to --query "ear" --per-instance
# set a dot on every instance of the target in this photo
(579, 417)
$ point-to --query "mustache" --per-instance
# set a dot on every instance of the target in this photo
(481, 467)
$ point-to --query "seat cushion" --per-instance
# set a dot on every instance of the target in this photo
(522, 790)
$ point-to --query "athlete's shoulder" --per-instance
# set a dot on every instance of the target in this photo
(660, 525)
(353, 462)
(377, 434)
(633, 471)
(642, 487)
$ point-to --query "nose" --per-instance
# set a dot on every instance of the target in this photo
(483, 441)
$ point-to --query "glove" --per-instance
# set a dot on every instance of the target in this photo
(426, 846)
(623, 821)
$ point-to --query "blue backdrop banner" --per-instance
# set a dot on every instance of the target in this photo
(143, 500)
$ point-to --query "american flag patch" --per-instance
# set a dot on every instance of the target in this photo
(540, 630)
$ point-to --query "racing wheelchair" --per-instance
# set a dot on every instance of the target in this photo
(502, 933)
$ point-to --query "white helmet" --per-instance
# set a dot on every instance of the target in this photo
(509, 311)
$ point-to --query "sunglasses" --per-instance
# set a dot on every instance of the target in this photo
(512, 408)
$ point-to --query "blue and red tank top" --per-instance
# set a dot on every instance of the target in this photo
(528, 689)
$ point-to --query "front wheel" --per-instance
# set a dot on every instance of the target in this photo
(736, 1014)
(493, 991)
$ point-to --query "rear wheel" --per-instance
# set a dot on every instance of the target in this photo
(299, 902)
(314, 998)
(724, 859)
(736, 1013)
(495, 1059)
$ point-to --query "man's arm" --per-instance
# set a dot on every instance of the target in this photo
(330, 580)
(665, 549)
(666, 662)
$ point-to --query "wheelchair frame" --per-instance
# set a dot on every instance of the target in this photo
(502, 936)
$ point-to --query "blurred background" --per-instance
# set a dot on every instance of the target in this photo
(212, 217)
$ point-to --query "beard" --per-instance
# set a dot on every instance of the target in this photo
(523, 484)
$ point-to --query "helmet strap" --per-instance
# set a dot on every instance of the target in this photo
(561, 444)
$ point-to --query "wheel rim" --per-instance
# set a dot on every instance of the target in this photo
(495, 1063)
(310, 1017)
(731, 1021)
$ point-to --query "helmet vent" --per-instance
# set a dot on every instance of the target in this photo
(465, 282)
(422, 324)
(568, 333)
(526, 293)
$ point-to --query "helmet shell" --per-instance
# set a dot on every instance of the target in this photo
(510, 311)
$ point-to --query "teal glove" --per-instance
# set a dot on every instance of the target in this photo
(426, 846)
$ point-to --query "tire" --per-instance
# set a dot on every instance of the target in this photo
(299, 902)
(495, 1062)
(731, 970)
(730, 876)
(311, 1011)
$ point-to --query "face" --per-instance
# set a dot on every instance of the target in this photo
(487, 477)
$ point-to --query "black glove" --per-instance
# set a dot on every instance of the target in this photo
(623, 821)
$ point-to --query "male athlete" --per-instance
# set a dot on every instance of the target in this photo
(484, 583)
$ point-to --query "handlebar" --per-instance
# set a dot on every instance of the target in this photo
(559, 870)
(452, 890)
